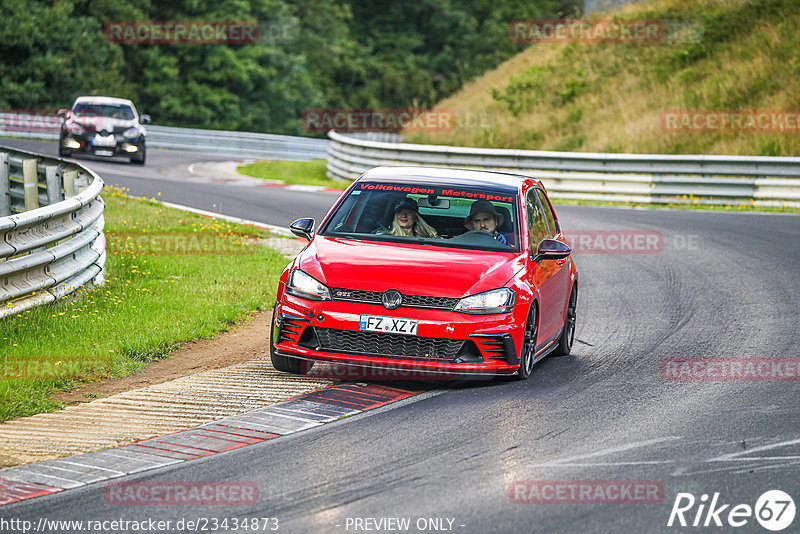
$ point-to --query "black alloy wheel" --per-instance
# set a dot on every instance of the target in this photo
(568, 333)
(528, 351)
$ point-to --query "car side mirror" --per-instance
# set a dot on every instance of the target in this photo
(144, 119)
(62, 113)
(303, 228)
(552, 249)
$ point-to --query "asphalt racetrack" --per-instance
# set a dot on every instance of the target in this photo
(473, 457)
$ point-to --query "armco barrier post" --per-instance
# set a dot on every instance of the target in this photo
(5, 193)
(69, 178)
(30, 182)
(53, 181)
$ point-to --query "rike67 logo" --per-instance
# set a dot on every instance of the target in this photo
(774, 510)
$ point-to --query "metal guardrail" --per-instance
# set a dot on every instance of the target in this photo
(649, 178)
(242, 144)
(51, 229)
(256, 145)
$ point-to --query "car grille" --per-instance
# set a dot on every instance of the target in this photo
(388, 345)
(409, 301)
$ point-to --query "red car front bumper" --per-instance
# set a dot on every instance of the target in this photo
(448, 344)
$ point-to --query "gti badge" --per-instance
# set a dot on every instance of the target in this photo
(391, 299)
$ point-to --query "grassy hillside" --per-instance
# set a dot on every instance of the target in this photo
(609, 97)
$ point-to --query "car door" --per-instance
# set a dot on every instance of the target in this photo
(560, 279)
(542, 271)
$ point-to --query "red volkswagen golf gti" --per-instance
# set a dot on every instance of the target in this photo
(434, 271)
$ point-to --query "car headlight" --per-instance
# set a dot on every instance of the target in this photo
(494, 301)
(132, 132)
(306, 286)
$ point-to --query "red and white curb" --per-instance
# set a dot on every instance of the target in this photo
(305, 411)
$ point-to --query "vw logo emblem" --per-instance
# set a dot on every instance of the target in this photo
(391, 299)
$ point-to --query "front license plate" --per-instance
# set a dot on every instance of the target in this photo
(104, 152)
(389, 325)
(104, 140)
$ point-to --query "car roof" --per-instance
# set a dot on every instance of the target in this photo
(103, 100)
(447, 177)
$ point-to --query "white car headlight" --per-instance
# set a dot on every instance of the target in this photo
(301, 284)
(132, 132)
(494, 301)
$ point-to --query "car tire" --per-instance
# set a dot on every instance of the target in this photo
(140, 157)
(281, 363)
(568, 333)
(528, 348)
(62, 152)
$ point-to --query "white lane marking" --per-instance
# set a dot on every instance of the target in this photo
(730, 468)
(611, 450)
(753, 469)
(301, 187)
(295, 416)
(271, 227)
(138, 458)
(71, 460)
(749, 458)
(727, 457)
(70, 482)
(608, 464)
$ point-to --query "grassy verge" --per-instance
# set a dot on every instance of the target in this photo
(293, 172)
(171, 277)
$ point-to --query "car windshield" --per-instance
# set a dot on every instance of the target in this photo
(457, 217)
(116, 111)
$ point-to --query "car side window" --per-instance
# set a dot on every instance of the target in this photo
(537, 224)
(548, 213)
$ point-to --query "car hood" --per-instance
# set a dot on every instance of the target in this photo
(410, 268)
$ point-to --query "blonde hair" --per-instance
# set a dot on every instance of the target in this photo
(419, 229)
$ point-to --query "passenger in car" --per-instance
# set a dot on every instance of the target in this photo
(408, 222)
(483, 216)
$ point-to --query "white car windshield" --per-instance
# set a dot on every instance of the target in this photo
(116, 111)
